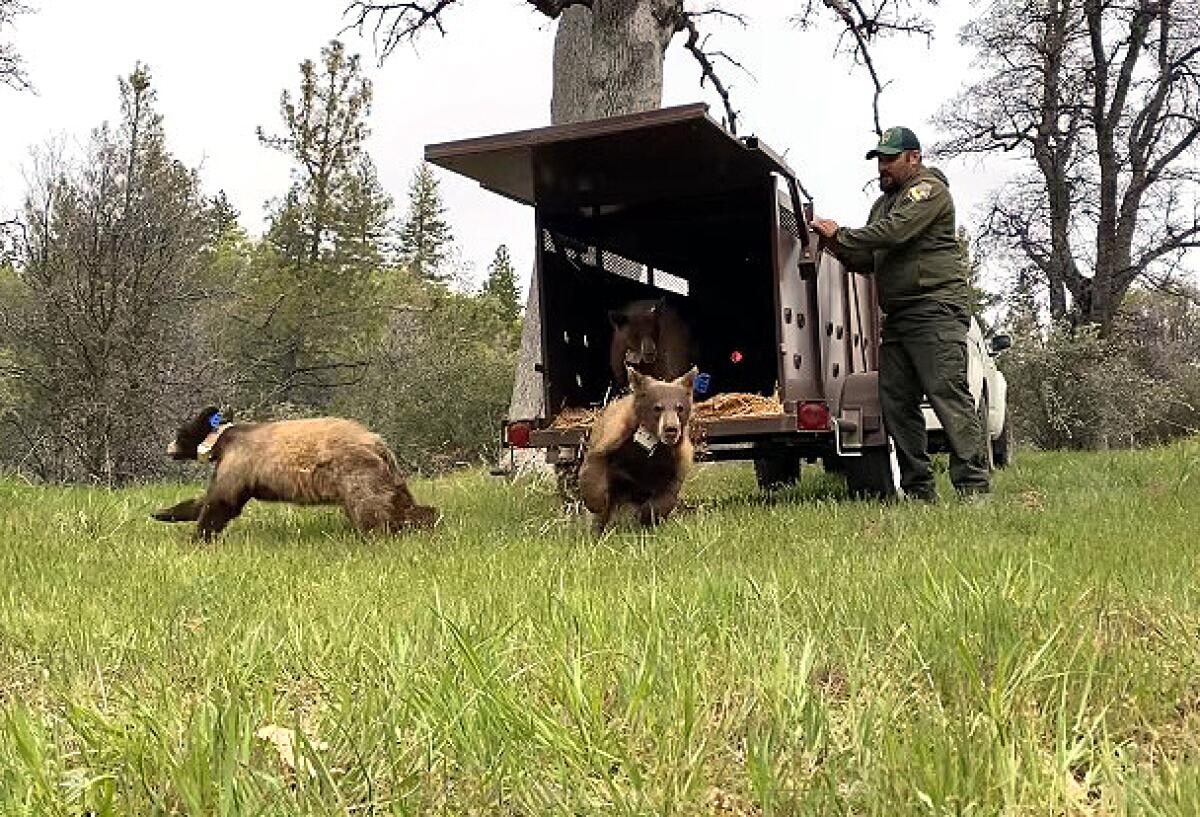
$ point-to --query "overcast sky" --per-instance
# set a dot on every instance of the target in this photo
(219, 68)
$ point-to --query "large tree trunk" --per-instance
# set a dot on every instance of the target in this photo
(608, 60)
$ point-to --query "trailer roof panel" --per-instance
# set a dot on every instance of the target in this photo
(657, 154)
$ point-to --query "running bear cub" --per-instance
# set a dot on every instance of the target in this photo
(639, 451)
(317, 461)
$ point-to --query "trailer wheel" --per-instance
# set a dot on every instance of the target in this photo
(777, 472)
(874, 475)
(566, 477)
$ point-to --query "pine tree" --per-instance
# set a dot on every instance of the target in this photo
(221, 218)
(362, 216)
(501, 284)
(425, 238)
(312, 297)
(325, 131)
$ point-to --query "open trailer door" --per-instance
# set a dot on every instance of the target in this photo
(667, 204)
(664, 203)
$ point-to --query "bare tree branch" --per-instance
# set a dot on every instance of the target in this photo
(708, 71)
(406, 21)
(1102, 96)
(740, 19)
(12, 72)
(553, 8)
(864, 26)
(400, 22)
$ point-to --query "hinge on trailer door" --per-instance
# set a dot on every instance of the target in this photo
(808, 254)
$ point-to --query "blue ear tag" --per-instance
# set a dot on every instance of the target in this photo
(214, 421)
(702, 383)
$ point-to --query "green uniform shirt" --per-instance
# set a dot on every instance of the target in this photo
(910, 245)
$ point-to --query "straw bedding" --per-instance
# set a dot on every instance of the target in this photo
(717, 407)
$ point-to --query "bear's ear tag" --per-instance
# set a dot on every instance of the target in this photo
(204, 450)
(645, 439)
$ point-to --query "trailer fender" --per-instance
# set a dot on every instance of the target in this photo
(860, 413)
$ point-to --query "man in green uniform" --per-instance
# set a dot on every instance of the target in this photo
(910, 245)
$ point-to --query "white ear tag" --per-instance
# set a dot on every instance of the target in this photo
(204, 450)
(646, 440)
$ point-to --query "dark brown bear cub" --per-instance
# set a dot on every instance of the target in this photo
(649, 336)
(639, 450)
(318, 461)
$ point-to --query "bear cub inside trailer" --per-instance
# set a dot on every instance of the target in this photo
(666, 207)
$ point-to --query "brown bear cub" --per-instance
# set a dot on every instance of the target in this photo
(639, 450)
(318, 461)
(650, 336)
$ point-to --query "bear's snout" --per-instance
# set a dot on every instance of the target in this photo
(670, 433)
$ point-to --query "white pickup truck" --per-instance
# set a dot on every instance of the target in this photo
(990, 391)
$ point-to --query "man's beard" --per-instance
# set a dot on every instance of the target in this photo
(887, 184)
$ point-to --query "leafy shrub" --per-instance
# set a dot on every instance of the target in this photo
(1074, 388)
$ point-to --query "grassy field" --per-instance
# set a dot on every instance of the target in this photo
(800, 654)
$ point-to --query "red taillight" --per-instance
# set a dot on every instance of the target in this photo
(813, 417)
(517, 435)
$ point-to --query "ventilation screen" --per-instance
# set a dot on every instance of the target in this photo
(671, 283)
(788, 219)
(620, 265)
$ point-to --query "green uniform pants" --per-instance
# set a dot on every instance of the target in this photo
(924, 352)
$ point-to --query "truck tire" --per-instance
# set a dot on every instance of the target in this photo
(777, 471)
(1002, 445)
(988, 451)
(874, 475)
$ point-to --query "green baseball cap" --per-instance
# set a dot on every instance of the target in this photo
(893, 141)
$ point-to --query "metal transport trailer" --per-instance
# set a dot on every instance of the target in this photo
(668, 204)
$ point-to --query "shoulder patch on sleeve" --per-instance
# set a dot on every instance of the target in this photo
(921, 191)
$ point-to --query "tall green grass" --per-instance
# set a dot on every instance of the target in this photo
(792, 654)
